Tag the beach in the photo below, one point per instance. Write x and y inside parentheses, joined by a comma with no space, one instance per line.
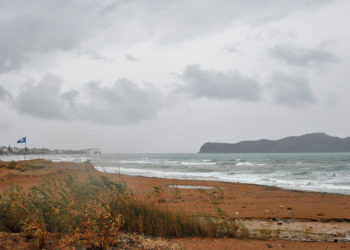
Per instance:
(298,217)
(247,200)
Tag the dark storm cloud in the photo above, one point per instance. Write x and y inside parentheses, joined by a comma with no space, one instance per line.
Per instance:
(30,27)
(124,102)
(219,85)
(303,56)
(290,90)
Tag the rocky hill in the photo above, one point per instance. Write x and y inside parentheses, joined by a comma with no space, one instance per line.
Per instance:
(316,142)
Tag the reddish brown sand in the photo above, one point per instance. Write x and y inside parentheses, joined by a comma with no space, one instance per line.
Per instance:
(249,201)
(239,200)
(209,244)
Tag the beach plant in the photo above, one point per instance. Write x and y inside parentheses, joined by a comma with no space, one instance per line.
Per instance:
(21,166)
(92,214)
(151,219)
(215,197)
(158,192)
(177,194)
(227,225)
(78,211)
(265,234)
(230,226)
(12,165)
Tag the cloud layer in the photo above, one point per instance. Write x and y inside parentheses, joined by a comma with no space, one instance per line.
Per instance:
(301,57)
(124,102)
(290,90)
(219,85)
(42,99)
(31,27)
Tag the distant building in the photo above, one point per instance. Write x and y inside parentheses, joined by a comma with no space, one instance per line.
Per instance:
(4,150)
(93,151)
(17,150)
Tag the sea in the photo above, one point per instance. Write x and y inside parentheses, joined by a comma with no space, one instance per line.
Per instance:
(318,172)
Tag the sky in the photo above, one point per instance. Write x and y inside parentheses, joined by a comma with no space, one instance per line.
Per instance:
(135,76)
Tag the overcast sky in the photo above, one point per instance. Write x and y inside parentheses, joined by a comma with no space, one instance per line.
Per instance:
(167,76)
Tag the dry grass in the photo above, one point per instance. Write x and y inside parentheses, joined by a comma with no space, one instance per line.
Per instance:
(214,197)
(93,214)
(229,226)
(14,241)
(24,166)
(150,219)
(79,212)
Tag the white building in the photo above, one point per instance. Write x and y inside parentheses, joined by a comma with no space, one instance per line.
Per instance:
(93,151)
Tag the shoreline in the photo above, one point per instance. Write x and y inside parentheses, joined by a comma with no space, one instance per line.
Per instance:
(237,199)
(222,181)
(299,216)
(245,183)
(288,182)
(250,200)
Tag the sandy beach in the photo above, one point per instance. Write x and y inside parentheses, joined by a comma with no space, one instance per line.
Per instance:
(246,200)
(275,218)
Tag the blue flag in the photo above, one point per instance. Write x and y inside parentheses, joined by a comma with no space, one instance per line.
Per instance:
(23,140)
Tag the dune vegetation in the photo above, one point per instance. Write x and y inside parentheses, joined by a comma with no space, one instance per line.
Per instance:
(93,214)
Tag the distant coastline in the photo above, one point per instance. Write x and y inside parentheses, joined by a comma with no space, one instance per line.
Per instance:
(45,151)
(308,143)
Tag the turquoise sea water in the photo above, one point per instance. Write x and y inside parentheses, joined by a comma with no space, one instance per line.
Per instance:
(325,172)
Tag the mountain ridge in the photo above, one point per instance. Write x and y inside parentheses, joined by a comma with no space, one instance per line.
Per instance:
(307,143)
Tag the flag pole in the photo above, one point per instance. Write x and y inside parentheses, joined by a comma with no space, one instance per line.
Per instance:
(25,147)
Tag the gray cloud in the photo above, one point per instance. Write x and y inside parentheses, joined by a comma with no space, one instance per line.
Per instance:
(303,56)
(131,58)
(41,100)
(183,20)
(124,102)
(4,94)
(290,90)
(30,27)
(219,85)
(232,49)
(94,55)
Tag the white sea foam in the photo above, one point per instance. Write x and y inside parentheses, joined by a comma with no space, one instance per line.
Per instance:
(198,163)
(190,187)
(249,164)
(244,164)
(135,162)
